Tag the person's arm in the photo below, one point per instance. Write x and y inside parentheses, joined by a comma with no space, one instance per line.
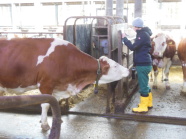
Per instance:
(138,42)
(128,43)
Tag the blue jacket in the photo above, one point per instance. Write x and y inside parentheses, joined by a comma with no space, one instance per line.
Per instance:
(141,47)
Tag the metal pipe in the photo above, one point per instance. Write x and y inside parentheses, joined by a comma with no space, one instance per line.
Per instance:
(138,8)
(119,8)
(20,101)
(30,32)
(109,7)
(137,117)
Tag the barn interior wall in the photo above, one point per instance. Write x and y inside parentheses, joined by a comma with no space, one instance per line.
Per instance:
(52,15)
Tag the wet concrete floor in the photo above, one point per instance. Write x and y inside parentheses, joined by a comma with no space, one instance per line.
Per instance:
(18,126)
(166,103)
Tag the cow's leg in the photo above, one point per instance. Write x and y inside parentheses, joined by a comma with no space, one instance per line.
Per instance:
(44,123)
(162,77)
(184,88)
(155,86)
(184,79)
(45,88)
(168,64)
(151,77)
(155,69)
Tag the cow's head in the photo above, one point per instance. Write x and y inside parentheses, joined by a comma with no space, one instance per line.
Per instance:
(159,45)
(111,71)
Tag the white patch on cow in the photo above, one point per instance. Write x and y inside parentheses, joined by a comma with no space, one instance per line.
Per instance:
(56,42)
(18,90)
(183,63)
(165,75)
(38,85)
(160,45)
(71,91)
(158,63)
(9,39)
(116,71)
(155,78)
(44,122)
(167,62)
(60,94)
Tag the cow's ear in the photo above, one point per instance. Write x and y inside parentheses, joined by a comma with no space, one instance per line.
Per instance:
(105,69)
(170,42)
(104,66)
(152,43)
(103,58)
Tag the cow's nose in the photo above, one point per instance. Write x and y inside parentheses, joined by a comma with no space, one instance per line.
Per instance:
(156,53)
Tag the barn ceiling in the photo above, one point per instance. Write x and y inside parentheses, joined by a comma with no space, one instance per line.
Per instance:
(70,2)
(132,1)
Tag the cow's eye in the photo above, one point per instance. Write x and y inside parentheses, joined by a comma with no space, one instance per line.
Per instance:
(115,66)
(163,43)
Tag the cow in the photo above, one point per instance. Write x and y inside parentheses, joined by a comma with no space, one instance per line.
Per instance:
(182,57)
(162,53)
(54,66)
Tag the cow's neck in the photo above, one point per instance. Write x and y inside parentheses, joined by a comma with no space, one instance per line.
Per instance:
(84,74)
(97,77)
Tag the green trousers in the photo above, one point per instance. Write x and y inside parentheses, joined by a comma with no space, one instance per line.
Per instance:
(143,79)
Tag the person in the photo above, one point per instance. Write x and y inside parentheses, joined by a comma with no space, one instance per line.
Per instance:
(142,62)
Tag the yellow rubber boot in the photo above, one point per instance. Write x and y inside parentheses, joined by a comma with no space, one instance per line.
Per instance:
(150,104)
(143,106)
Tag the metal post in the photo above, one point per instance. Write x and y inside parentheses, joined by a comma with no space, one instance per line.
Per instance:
(12,15)
(56,15)
(138,8)
(20,101)
(119,8)
(109,7)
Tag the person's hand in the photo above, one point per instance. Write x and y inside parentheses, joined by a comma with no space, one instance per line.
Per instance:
(123,35)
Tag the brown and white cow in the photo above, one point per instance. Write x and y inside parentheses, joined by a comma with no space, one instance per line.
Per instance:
(182,57)
(163,51)
(55,66)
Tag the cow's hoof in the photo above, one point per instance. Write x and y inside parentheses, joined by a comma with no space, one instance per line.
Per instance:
(45,127)
(154,87)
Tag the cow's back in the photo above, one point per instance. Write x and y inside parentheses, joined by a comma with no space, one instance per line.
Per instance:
(28,61)
(22,51)
(18,58)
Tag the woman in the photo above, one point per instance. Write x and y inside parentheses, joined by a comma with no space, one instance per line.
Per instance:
(142,62)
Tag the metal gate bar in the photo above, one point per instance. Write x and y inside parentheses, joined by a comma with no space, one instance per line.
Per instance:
(138,117)
(20,101)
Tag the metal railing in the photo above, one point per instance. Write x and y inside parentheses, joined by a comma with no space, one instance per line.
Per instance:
(30,34)
(20,101)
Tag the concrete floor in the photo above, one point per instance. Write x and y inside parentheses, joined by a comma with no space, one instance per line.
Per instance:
(19,126)
(166,103)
